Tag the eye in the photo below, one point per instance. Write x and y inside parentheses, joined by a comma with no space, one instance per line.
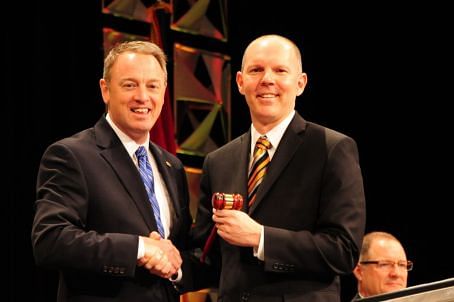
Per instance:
(385,264)
(128,85)
(281,70)
(255,69)
(153,86)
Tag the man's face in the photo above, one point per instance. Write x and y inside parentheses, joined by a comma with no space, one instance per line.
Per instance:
(270,80)
(377,279)
(135,93)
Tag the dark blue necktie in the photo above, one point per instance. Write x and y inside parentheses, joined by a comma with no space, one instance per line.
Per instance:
(148,180)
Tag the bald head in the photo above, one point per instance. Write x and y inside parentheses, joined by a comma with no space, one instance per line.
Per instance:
(276,40)
(376,238)
(375,278)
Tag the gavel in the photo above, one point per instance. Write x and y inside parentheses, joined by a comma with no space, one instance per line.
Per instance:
(221,201)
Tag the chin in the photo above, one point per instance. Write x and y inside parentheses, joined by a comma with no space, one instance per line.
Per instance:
(392,288)
(147,124)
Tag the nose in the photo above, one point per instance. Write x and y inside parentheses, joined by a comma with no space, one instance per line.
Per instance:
(268,77)
(397,270)
(141,93)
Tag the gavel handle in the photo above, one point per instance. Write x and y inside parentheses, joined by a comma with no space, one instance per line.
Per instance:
(208,244)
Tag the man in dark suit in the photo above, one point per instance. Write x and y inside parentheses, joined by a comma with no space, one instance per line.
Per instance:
(302,226)
(94,219)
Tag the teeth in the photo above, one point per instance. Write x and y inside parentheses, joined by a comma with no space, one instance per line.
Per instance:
(267,95)
(141,110)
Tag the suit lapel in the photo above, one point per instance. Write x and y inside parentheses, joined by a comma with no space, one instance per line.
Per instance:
(165,167)
(122,165)
(285,152)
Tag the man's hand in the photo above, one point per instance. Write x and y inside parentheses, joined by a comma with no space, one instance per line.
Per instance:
(237,228)
(161,257)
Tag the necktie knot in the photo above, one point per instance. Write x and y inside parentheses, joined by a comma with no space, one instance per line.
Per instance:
(141,152)
(263,143)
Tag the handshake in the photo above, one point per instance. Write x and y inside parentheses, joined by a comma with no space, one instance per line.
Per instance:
(160,257)
(163,259)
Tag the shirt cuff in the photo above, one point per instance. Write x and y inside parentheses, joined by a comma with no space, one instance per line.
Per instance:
(177,277)
(260,251)
(140,249)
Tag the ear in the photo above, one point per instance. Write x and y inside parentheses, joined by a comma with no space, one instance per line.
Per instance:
(104,91)
(358,272)
(239,82)
(302,81)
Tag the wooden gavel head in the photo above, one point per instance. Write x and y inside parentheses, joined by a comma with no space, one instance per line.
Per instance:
(222,201)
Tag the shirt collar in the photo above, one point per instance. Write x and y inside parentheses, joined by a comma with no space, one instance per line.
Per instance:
(130,145)
(274,135)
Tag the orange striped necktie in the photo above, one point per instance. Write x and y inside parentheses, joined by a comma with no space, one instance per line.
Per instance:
(257,171)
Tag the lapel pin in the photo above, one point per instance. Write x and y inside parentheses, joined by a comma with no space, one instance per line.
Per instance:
(168,164)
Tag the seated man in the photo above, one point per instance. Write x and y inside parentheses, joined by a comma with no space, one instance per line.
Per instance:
(383,266)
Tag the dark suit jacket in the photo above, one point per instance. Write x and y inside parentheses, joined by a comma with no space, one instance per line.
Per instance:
(311,204)
(92,206)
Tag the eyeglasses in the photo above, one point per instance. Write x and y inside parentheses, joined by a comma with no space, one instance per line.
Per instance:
(389,264)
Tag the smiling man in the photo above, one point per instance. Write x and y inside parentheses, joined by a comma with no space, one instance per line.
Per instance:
(303,222)
(113,207)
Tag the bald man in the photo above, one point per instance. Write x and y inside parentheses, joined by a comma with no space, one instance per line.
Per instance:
(383,266)
(303,218)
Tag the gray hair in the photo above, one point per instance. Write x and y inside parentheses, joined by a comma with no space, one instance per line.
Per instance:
(372,236)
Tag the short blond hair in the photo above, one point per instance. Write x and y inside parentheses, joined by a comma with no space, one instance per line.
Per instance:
(142,47)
